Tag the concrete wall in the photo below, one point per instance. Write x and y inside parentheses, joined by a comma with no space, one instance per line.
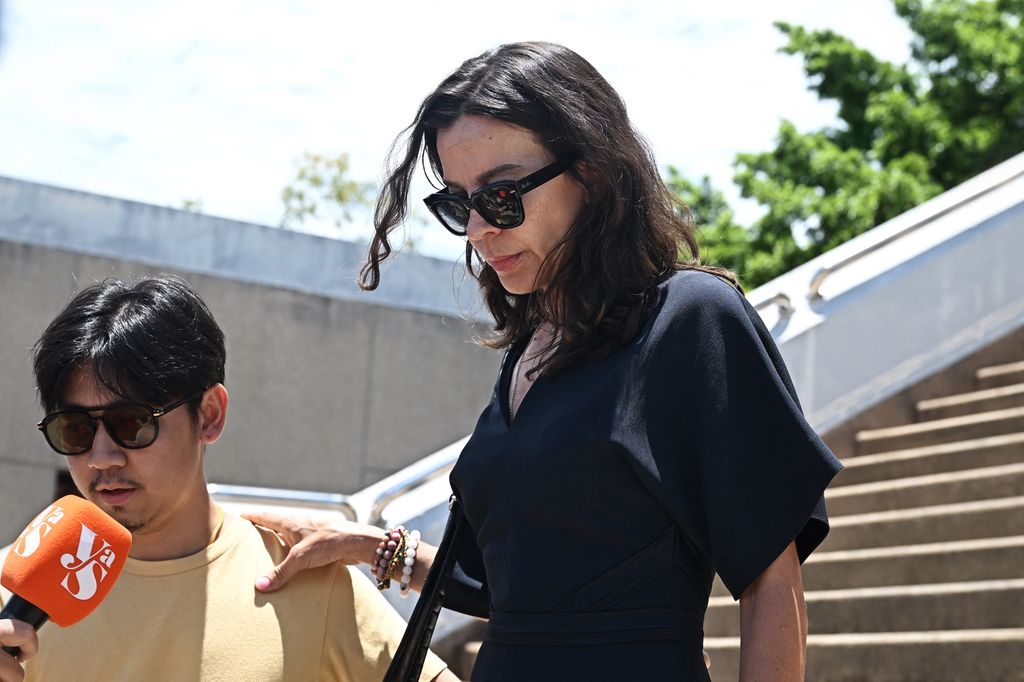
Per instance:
(331,389)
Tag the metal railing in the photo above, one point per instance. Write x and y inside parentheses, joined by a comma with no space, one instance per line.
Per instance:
(243,494)
(1004,174)
(371,502)
(365,506)
(823,273)
(781,300)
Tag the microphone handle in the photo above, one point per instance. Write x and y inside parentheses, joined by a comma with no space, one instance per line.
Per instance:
(19,609)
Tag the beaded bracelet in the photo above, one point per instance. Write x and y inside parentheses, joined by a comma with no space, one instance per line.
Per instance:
(404,584)
(396,550)
(390,552)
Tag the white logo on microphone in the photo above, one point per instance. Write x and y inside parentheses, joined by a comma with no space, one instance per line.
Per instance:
(40,527)
(88,566)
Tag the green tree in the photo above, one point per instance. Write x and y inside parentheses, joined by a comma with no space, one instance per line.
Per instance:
(906,132)
(722,240)
(323,190)
(192,205)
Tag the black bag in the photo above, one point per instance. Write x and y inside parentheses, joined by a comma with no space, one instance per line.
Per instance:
(408,660)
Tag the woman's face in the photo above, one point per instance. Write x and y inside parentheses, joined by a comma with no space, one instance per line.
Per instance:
(477,150)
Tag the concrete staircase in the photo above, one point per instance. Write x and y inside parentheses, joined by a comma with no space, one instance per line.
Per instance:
(922,576)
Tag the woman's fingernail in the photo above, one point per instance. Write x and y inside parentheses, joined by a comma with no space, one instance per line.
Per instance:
(262,583)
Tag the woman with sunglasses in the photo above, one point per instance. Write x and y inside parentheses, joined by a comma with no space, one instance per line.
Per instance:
(643,433)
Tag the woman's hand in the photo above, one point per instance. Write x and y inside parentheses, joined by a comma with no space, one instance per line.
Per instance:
(19,634)
(314,543)
(773,623)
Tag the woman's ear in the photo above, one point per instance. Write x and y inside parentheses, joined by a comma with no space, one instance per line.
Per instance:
(584,174)
(213,414)
(584,170)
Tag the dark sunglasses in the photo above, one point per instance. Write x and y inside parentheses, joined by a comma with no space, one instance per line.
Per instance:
(499,203)
(130,425)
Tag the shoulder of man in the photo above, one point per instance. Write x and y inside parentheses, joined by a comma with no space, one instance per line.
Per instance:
(276,549)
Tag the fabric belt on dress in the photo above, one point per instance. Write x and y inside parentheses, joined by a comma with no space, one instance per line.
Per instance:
(599,627)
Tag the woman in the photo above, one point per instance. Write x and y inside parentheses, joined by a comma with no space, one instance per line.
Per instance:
(643,433)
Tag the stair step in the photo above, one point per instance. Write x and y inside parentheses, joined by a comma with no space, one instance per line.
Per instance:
(1000,375)
(941,562)
(937,562)
(922,491)
(920,525)
(895,608)
(967,454)
(941,431)
(994,655)
(987,400)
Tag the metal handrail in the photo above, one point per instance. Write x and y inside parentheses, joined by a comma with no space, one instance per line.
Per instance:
(377,509)
(292,498)
(823,273)
(781,300)
(379,495)
(366,506)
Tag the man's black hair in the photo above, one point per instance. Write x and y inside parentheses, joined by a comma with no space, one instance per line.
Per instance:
(153,341)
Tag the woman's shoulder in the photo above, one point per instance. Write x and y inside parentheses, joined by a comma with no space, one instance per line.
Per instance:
(698,295)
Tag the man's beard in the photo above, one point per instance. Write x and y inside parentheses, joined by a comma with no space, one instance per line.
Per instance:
(132,527)
(122,517)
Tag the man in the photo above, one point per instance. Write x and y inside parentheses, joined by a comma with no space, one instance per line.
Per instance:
(132,380)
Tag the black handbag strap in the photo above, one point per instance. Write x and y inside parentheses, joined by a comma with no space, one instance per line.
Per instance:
(412,651)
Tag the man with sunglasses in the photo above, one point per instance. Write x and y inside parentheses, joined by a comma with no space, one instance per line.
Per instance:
(131,377)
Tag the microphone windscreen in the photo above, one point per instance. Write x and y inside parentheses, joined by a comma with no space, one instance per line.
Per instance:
(67,559)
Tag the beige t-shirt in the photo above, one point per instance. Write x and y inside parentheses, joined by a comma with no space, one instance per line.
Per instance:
(200,618)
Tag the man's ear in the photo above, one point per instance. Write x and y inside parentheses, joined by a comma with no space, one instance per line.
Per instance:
(213,414)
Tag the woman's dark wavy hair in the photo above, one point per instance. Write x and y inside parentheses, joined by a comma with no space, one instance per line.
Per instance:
(152,342)
(630,235)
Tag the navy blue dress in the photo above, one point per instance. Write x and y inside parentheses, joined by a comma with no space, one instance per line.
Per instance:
(600,515)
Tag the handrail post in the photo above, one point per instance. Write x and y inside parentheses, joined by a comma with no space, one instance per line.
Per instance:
(781,301)
(814,290)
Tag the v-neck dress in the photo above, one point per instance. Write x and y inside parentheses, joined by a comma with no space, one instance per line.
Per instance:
(599,516)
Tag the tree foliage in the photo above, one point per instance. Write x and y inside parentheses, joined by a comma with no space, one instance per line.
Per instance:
(905,133)
(322,190)
(721,239)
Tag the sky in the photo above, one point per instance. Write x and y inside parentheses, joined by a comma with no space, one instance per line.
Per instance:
(216,101)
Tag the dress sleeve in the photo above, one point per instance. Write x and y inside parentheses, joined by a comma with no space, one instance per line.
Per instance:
(751,469)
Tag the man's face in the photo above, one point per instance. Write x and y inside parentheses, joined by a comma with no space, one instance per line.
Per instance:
(150,490)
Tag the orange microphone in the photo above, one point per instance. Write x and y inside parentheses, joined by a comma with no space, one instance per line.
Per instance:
(64,564)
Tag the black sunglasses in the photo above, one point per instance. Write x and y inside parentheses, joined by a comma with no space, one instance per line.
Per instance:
(130,425)
(499,203)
